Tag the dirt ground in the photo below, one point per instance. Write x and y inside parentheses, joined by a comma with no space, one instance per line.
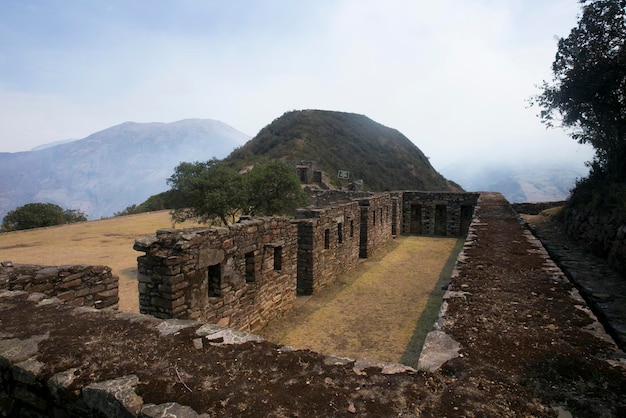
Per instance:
(528,349)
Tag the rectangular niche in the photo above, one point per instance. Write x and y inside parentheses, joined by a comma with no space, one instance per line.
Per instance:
(278,258)
(214,276)
(250,267)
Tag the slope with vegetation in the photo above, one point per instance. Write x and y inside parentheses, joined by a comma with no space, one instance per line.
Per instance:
(588,97)
(382,157)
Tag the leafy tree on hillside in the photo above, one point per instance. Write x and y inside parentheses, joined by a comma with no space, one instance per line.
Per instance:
(207,190)
(37,215)
(274,189)
(588,91)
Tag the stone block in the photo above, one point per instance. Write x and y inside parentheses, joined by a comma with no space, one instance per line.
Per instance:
(66,296)
(23,394)
(210,257)
(43,288)
(107,293)
(114,398)
(68,284)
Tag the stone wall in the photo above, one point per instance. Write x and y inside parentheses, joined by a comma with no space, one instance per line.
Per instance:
(376,223)
(328,244)
(603,234)
(78,285)
(437,213)
(322,198)
(228,275)
(241,276)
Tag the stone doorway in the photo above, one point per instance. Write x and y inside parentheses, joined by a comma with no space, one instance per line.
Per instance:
(416,219)
(440,220)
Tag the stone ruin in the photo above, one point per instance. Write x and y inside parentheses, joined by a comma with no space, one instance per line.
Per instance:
(78,285)
(249,273)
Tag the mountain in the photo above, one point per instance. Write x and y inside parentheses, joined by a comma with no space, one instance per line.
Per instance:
(52,144)
(380,156)
(111,169)
(532,181)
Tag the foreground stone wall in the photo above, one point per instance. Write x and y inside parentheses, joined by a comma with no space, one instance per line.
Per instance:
(78,285)
(113,364)
(437,213)
(241,276)
(328,244)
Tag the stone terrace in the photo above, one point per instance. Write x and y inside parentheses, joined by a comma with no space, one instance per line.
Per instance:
(516,337)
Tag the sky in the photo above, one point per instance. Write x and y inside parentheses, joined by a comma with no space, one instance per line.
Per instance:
(454,76)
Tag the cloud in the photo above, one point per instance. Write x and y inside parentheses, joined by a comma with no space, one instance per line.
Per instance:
(452,75)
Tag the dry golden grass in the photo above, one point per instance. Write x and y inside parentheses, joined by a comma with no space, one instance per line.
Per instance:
(104,242)
(375,310)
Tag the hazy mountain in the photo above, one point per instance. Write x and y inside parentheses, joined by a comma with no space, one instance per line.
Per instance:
(52,144)
(111,169)
(531,181)
(380,156)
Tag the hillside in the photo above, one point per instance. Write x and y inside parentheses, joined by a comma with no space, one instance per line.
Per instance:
(111,169)
(382,157)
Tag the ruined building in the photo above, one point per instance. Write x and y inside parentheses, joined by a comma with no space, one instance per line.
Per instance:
(244,275)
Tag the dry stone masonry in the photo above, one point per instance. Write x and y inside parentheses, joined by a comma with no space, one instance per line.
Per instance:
(246,274)
(437,213)
(79,285)
(63,361)
(241,276)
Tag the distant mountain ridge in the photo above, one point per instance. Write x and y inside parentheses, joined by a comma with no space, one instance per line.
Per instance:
(380,156)
(111,169)
(530,181)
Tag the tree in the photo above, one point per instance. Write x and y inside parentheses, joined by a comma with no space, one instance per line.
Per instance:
(274,189)
(37,215)
(207,190)
(588,90)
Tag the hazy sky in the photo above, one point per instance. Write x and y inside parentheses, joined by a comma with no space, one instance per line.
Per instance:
(454,76)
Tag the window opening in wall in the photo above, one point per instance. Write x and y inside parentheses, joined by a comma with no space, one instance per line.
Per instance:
(250,267)
(214,275)
(278,258)
(351,229)
(327,238)
(374,217)
(387,211)
(381,214)
(339,233)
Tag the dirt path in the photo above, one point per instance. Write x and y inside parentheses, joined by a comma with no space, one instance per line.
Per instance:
(382,310)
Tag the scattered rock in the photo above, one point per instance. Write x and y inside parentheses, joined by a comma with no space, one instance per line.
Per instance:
(114,398)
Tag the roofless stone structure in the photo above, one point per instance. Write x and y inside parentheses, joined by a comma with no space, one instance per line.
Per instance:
(244,275)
